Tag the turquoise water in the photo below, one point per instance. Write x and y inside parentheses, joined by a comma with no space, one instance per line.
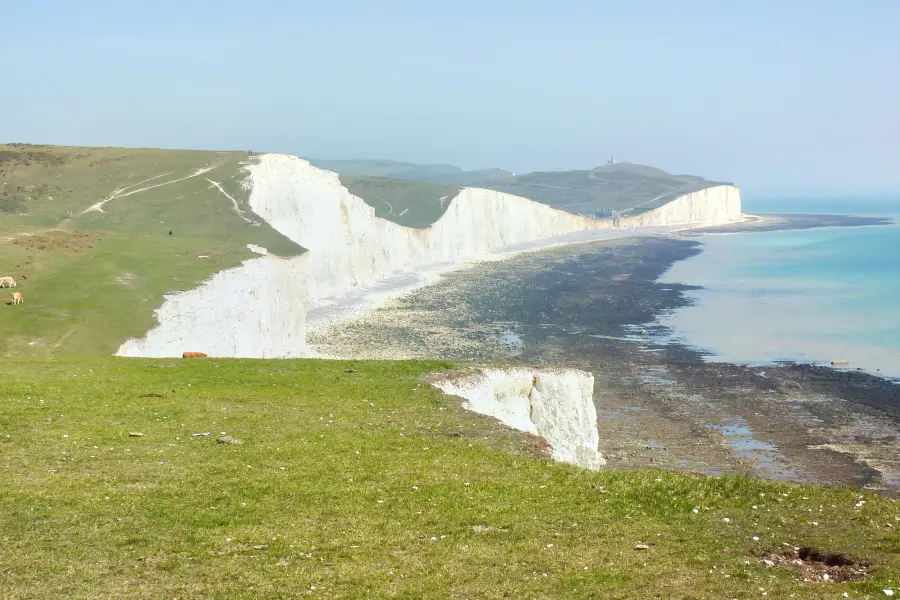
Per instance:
(813,295)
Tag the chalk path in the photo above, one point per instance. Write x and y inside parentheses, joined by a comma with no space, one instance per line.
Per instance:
(234,202)
(121,193)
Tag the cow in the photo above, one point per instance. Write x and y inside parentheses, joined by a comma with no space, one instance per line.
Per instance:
(17,298)
(7,282)
(193,355)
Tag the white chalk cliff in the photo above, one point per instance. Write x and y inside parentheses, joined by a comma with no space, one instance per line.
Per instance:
(350,246)
(556,404)
(259,309)
(719,204)
(252,311)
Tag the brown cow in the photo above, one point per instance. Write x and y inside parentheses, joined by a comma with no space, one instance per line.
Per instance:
(17,298)
(193,355)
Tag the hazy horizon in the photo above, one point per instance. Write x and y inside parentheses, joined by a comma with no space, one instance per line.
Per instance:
(778,99)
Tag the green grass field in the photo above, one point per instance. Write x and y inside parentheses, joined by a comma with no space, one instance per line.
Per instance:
(367,484)
(92,281)
(392,169)
(409,203)
(630,189)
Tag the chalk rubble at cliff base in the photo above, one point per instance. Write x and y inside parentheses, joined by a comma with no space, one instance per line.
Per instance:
(555,404)
(262,308)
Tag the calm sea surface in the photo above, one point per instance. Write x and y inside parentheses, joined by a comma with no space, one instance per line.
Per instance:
(814,295)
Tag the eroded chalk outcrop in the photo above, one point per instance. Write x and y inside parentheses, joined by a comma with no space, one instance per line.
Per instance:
(556,404)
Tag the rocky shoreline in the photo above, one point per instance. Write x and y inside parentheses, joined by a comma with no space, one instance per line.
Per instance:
(781,222)
(593,307)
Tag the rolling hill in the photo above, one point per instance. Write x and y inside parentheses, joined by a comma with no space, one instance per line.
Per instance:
(630,189)
(409,203)
(390,169)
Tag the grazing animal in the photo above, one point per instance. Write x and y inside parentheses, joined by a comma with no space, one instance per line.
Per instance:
(193,355)
(7,282)
(17,298)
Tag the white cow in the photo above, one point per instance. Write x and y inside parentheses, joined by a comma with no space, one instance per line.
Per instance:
(7,282)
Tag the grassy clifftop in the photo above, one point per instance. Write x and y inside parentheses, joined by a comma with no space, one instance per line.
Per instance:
(409,203)
(627,188)
(91,281)
(356,480)
(391,169)
(85,230)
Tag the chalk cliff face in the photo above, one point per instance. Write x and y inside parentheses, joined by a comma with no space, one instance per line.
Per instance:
(256,310)
(260,308)
(349,246)
(556,404)
(720,204)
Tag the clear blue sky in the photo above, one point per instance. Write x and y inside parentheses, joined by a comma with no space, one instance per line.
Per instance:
(775,95)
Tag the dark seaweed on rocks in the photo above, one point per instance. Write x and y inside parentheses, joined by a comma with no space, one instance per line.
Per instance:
(660,403)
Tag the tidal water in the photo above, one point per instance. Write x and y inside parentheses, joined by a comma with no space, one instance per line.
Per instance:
(814,295)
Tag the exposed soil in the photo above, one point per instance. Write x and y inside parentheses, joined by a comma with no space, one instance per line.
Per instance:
(55,240)
(15,155)
(812,565)
(593,306)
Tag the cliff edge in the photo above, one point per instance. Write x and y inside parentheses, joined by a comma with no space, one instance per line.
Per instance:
(260,309)
(555,404)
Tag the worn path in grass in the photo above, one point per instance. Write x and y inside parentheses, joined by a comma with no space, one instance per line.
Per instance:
(93,281)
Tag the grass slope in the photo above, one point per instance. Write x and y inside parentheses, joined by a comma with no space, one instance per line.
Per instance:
(366,484)
(628,188)
(409,203)
(92,281)
(391,169)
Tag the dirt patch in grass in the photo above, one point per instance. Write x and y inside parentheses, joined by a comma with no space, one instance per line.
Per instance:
(816,565)
(14,199)
(11,158)
(112,160)
(58,240)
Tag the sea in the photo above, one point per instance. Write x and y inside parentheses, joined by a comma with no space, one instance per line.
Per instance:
(813,296)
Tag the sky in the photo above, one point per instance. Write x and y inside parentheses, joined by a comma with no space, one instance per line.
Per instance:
(789,96)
